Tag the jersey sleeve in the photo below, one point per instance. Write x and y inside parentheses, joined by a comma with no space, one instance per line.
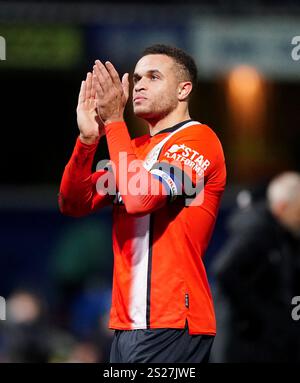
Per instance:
(81,190)
(141,193)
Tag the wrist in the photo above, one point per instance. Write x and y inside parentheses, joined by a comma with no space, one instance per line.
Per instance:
(89,140)
(113,120)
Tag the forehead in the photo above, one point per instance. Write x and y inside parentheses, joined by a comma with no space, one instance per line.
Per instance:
(160,62)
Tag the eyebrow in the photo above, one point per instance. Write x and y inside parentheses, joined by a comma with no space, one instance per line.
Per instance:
(137,76)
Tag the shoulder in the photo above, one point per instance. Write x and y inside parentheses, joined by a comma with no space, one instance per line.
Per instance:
(196,138)
(197,132)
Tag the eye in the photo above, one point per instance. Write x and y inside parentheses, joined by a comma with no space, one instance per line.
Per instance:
(154,77)
(136,79)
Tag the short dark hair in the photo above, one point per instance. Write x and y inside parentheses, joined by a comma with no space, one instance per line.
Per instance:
(184,60)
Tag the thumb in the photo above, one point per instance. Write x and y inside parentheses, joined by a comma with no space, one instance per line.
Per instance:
(125,85)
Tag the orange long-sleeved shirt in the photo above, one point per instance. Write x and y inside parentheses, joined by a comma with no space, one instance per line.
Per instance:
(159,242)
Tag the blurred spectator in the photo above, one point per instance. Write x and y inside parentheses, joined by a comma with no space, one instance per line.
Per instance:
(27,336)
(24,336)
(30,336)
(257,275)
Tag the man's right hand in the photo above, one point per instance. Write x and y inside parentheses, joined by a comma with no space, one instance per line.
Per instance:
(89,123)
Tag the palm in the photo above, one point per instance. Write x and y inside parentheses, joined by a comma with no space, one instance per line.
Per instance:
(87,118)
(89,123)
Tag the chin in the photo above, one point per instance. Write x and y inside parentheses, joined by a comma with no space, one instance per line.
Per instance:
(142,113)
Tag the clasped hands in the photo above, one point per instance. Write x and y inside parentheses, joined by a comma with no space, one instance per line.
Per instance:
(111,93)
(102,100)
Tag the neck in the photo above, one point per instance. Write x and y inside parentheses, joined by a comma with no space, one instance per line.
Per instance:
(161,123)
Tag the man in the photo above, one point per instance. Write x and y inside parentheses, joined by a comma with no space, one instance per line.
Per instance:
(162,308)
(258,274)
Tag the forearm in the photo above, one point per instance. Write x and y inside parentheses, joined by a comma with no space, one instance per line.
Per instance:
(151,194)
(78,195)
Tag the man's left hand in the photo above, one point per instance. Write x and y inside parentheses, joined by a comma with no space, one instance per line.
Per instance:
(111,93)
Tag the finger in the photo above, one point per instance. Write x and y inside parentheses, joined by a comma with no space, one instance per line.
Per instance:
(85,86)
(97,78)
(113,74)
(97,85)
(81,96)
(125,85)
(93,87)
(100,80)
(102,69)
(105,78)
(88,86)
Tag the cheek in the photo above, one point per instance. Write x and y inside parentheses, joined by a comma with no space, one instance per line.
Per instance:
(295,216)
(167,95)
(298,217)
(164,88)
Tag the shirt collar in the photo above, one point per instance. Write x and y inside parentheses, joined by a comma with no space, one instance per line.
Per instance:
(172,128)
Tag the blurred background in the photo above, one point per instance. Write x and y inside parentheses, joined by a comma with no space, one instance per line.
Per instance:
(55,271)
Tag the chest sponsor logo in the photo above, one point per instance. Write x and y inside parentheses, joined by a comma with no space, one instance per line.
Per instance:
(188,156)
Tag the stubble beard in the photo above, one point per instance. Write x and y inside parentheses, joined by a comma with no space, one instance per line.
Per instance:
(156,110)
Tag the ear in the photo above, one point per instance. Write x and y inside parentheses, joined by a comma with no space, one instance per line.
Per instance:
(184,89)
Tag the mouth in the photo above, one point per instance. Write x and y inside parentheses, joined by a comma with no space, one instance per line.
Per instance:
(139,98)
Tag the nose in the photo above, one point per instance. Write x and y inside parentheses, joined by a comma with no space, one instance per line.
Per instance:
(140,85)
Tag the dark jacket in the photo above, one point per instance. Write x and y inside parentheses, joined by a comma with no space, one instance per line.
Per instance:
(257,275)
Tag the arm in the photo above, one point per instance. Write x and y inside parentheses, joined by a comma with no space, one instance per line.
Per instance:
(112,96)
(80,190)
(79,194)
(141,191)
